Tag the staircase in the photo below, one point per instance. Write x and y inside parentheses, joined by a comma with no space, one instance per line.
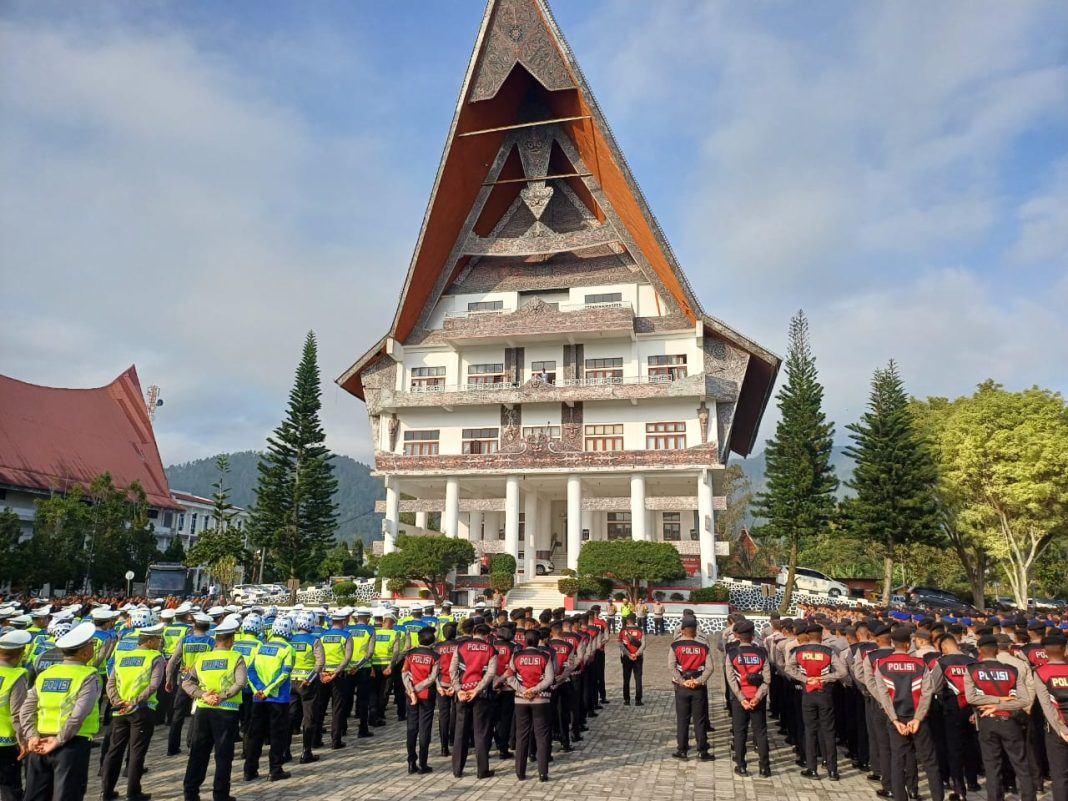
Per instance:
(539,592)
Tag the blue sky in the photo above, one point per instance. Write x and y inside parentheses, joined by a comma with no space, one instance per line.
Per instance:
(191,186)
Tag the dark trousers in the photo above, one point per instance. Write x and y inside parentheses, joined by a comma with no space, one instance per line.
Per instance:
(10,774)
(164,703)
(505,709)
(691,705)
(906,751)
(420,725)
(962,748)
(183,709)
(302,714)
(880,755)
(532,723)
(817,713)
(473,721)
(399,696)
(270,721)
(563,701)
(62,775)
(598,661)
(215,730)
(740,720)
(1057,754)
(378,698)
(446,719)
(362,688)
(658,624)
(1036,745)
(1003,739)
(632,668)
(333,694)
(133,730)
(858,714)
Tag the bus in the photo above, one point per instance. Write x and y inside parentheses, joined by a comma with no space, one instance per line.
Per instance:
(169,578)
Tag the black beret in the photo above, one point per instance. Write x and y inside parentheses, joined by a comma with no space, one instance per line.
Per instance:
(1038,625)
(880,629)
(987,641)
(744,627)
(1054,640)
(815,628)
(901,634)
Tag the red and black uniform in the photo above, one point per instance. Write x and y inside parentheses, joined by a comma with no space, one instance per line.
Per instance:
(1035,656)
(691,660)
(532,669)
(1001,734)
(748,676)
(520,638)
(879,738)
(473,667)
(858,733)
(504,698)
(601,627)
(446,651)
(814,660)
(632,657)
(961,744)
(419,673)
(1054,677)
(905,684)
(563,698)
(578,685)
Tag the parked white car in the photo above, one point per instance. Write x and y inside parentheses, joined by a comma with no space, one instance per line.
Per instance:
(808,580)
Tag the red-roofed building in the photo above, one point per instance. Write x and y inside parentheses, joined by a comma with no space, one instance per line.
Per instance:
(53,439)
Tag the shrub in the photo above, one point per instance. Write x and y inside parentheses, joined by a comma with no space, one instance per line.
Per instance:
(677,596)
(705,595)
(619,596)
(487,593)
(567,571)
(658,595)
(396,585)
(569,586)
(424,593)
(503,563)
(344,591)
(501,582)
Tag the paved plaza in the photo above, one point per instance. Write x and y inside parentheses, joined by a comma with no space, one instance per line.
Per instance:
(625,754)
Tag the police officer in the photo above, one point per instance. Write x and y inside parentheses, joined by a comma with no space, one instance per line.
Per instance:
(215,682)
(132,692)
(999,695)
(563,699)
(748,674)
(531,676)
(178,668)
(905,687)
(385,654)
(360,669)
(419,673)
(308,662)
(174,628)
(816,667)
(337,653)
(632,656)
(14,683)
(690,666)
(247,642)
(503,699)
(472,672)
(1051,690)
(446,696)
(59,718)
(270,680)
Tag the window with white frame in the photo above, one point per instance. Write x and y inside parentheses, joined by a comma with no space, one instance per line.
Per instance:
(181,521)
(604,297)
(665,436)
(667,368)
(552,432)
(425,379)
(421,443)
(485,306)
(619,525)
(485,373)
(546,370)
(672,526)
(605,371)
(193,524)
(480,440)
(604,437)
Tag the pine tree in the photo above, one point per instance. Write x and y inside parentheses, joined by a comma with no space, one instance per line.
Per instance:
(799,501)
(895,477)
(295,516)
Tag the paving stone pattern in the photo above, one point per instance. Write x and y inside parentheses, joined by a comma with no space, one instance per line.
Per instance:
(626,754)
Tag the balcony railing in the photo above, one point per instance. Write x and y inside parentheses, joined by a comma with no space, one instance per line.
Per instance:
(503,386)
(563,307)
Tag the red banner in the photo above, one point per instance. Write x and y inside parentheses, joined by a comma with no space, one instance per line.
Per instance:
(692,563)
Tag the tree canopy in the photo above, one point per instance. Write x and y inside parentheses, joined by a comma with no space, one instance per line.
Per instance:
(631,562)
(426,559)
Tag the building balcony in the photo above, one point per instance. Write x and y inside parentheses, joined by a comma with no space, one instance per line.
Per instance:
(534,390)
(537,321)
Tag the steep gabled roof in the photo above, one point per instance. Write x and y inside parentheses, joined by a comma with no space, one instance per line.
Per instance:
(53,439)
(523,77)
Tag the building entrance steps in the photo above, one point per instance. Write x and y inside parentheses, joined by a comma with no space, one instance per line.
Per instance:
(539,592)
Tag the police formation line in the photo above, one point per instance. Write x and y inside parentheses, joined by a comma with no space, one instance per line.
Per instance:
(266,678)
(961,697)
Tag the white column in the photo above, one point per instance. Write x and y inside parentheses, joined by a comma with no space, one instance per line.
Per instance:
(706,532)
(450,518)
(587,522)
(491,526)
(392,521)
(474,533)
(545,524)
(420,519)
(574,520)
(637,507)
(530,534)
(511,516)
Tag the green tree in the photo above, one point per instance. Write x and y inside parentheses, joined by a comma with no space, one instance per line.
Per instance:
(1004,457)
(175,551)
(426,559)
(799,501)
(295,515)
(11,566)
(223,511)
(220,550)
(340,561)
(631,562)
(895,475)
(738,491)
(931,417)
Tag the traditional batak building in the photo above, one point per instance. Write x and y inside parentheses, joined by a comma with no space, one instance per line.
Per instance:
(549,376)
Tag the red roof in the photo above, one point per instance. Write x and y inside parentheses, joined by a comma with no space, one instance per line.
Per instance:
(54,439)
